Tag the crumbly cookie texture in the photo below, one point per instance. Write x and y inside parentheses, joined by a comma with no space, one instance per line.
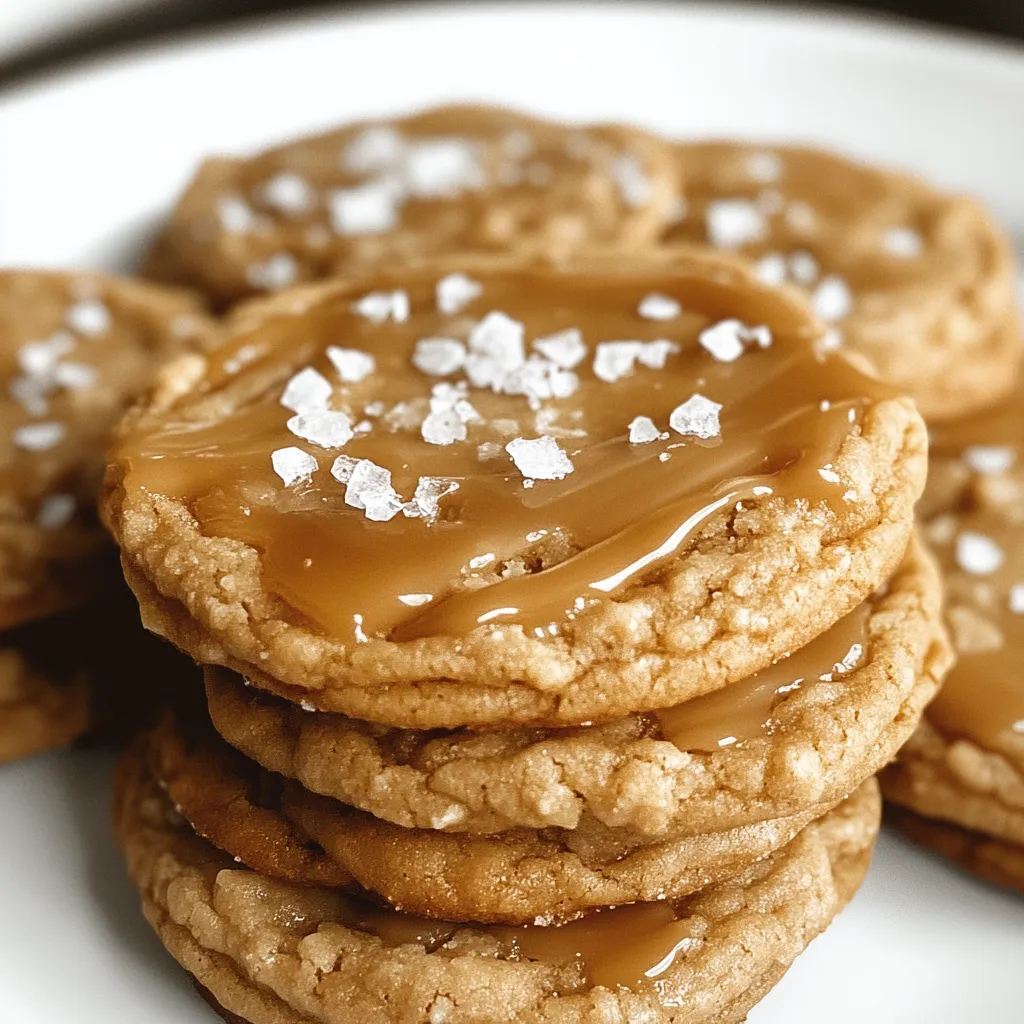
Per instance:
(921,283)
(519,877)
(273,952)
(77,350)
(822,742)
(957,781)
(61,678)
(382,193)
(752,583)
(991,860)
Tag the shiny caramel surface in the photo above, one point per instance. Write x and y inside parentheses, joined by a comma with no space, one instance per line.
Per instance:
(502,547)
(743,711)
(981,547)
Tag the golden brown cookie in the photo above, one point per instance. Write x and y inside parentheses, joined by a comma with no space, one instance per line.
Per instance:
(516,877)
(76,350)
(496,554)
(965,764)
(992,860)
(273,952)
(803,732)
(93,670)
(921,283)
(383,193)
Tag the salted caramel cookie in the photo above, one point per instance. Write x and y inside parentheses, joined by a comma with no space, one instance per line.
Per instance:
(516,877)
(965,765)
(429,527)
(92,670)
(919,282)
(273,952)
(383,193)
(991,860)
(75,351)
(805,731)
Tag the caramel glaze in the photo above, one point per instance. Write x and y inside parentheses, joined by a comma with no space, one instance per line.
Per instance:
(983,696)
(617,518)
(743,710)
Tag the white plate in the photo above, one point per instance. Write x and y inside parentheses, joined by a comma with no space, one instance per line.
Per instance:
(88,159)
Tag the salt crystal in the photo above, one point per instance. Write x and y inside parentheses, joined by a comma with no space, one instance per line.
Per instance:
(443,427)
(377,148)
(89,317)
(903,243)
(832,299)
(351,364)
(322,427)
(75,376)
(496,348)
(427,497)
(539,458)
(377,307)
(342,468)
(634,186)
(538,379)
(989,460)
(39,358)
(439,357)
(369,487)
(829,475)
(1017,599)
(293,465)
(771,269)
(696,417)
(727,340)
(307,391)
(236,216)
(614,360)
(30,393)
(455,292)
(415,600)
(38,437)
(733,223)
(659,307)
(978,554)
(275,273)
(289,193)
(518,144)
(370,209)
(55,511)
(488,450)
(765,167)
(565,349)
(804,268)
(442,168)
(654,354)
(643,431)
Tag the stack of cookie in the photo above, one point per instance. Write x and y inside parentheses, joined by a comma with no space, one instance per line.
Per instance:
(77,350)
(554,577)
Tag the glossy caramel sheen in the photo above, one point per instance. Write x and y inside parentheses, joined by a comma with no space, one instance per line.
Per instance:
(502,552)
(983,696)
(743,711)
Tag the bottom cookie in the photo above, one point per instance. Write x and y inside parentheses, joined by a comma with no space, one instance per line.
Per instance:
(278,953)
(992,860)
(78,673)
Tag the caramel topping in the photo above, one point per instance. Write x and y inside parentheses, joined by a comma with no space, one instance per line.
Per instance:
(743,711)
(545,506)
(981,548)
(626,946)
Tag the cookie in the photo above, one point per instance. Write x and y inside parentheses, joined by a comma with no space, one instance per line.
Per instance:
(704,498)
(77,673)
(517,877)
(991,860)
(77,349)
(269,951)
(965,764)
(919,282)
(382,193)
(800,733)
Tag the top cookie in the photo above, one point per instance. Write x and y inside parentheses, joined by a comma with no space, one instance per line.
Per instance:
(382,193)
(919,282)
(76,350)
(371,498)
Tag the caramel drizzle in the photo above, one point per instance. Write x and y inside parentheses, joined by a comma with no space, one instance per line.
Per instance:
(614,520)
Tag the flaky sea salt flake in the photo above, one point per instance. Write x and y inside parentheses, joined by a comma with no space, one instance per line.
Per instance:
(75,376)
(439,357)
(733,223)
(369,487)
(56,510)
(566,349)
(443,428)
(442,168)
(539,458)
(455,292)
(903,243)
(989,460)
(89,317)
(427,497)
(39,437)
(656,306)
(1017,599)
(307,391)
(370,209)
(378,307)
(288,193)
(322,427)
(496,349)
(654,354)
(276,272)
(727,340)
(832,299)
(352,364)
(614,360)
(293,465)
(696,417)
(377,148)
(977,554)
(643,430)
